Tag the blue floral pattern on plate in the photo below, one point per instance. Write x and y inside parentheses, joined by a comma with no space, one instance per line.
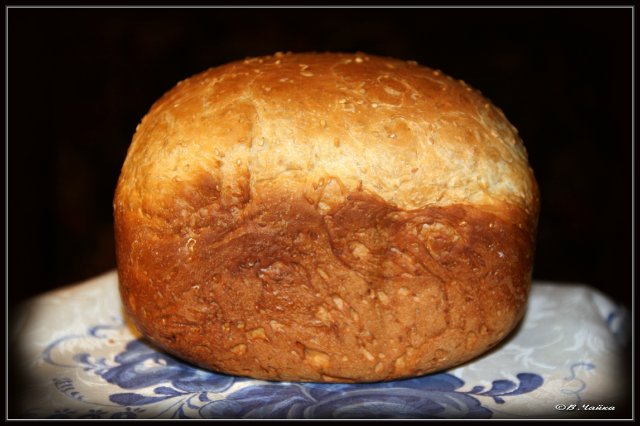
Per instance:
(85,363)
(146,378)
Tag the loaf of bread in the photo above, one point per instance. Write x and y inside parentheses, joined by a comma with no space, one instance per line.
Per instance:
(325,217)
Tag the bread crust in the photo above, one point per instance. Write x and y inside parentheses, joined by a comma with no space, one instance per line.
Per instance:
(325,217)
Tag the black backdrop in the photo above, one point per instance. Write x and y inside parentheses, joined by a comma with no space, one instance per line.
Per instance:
(79,80)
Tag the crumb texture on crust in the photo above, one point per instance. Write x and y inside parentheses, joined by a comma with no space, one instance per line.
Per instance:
(366,292)
(325,217)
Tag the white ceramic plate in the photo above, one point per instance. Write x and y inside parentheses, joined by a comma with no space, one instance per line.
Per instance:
(80,360)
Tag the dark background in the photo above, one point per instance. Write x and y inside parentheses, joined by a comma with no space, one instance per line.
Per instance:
(79,81)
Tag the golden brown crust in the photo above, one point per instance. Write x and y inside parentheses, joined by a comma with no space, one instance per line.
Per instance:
(309,235)
(407,133)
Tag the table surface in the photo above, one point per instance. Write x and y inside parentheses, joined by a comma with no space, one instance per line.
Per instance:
(81,360)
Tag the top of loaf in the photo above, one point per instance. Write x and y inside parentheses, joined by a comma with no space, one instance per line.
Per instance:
(339,122)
